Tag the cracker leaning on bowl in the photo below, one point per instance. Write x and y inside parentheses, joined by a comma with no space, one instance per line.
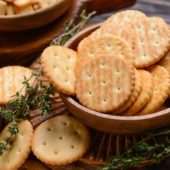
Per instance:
(144,38)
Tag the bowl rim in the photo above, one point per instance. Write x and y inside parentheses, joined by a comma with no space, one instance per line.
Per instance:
(115,117)
(42,10)
(104,115)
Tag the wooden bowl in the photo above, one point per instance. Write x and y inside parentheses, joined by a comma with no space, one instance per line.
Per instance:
(111,123)
(35,19)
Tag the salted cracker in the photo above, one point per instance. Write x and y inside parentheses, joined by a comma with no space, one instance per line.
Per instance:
(63,137)
(59,66)
(11,81)
(144,96)
(20,148)
(135,93)
(105,83)
(89,48)
(161,87)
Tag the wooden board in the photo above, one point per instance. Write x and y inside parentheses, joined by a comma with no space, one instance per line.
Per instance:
(23,47)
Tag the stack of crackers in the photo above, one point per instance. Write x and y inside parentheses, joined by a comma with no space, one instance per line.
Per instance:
(122,68)
(57,141)
(14,7)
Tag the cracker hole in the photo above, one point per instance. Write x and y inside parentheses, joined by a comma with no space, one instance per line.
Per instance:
(44,143)
(66,80)
(65,123)
(68,57)
(153,29)
(54,66)
(90,93)
(55,53)
(118,89)
(118,71)
(76,132)
(49,129)
(104,100)
(19,150)
(22,134)
(103,82)
(55,153)
(156,42)
(72,146)
(60,137)
(91,52)
(142,41)
(67,68)
(144,55)
(103,65)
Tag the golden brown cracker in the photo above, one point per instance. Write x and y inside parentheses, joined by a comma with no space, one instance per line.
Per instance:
(165,62)
(145,94)
(59,65)
(63,137)
(161,86)
(11,81)
(105,83)
(20,148)
(89,48)
(151,41)
(148,37)
(134,95)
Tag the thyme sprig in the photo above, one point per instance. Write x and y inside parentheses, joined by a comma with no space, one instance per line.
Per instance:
(19,107)
(38,96)
(71,28)
(145,149)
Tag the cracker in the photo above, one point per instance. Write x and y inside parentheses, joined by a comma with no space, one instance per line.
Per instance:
(145,94)
(11,81)
(161,87)
(22,3)
(105,44)
(33,165)
(20,149)
(45,3)
(105,83)
(165,62)
(63,137)
(152,41)
(134,95)
(119,24)
(149,37)
(59,65)
(3,7)
(23,10)
(10,10)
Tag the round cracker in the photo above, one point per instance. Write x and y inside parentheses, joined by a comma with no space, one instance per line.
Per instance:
(59,65)
(145,94)
(105,83)
(134,95)
(151,42)
(63,137)
(33,165)
(89,48)
(161,87)
(119,24)
(165,62)
(21,146)
(11,81)
(148,37)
